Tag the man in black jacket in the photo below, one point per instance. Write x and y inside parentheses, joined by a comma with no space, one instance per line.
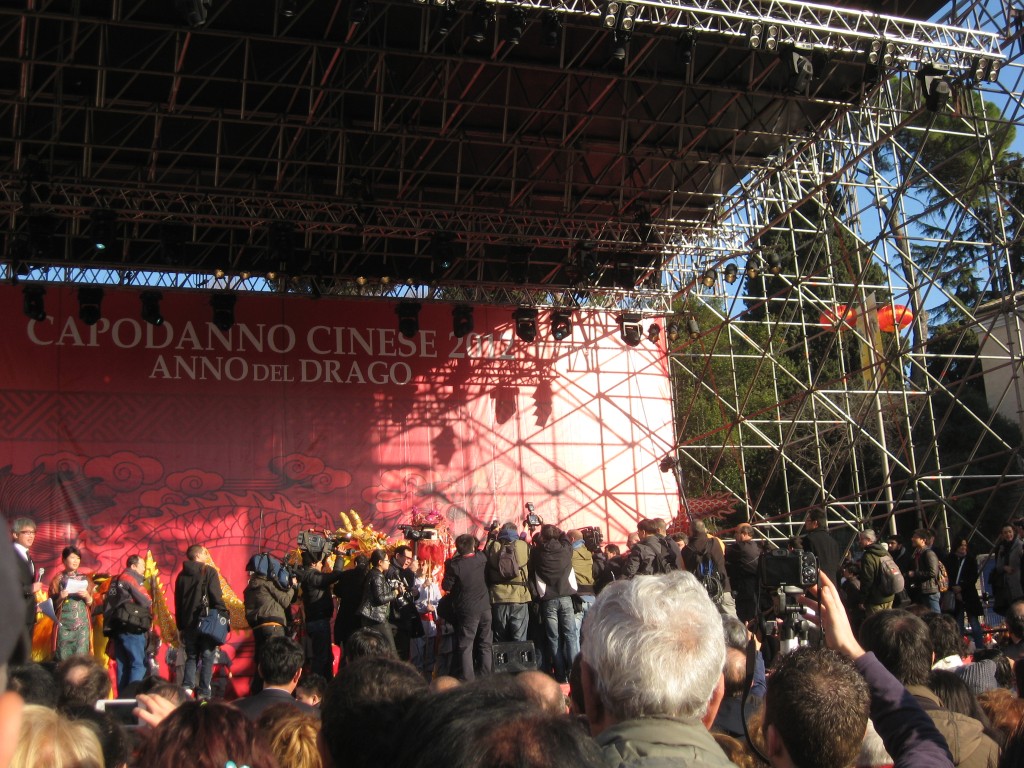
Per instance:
(551,562)
(197,580)
(741,559)
(465,581)
(318,607)
(819,541)
(23,532)
(405,618)
(349,591)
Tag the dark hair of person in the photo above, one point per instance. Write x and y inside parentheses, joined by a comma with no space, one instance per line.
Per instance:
(132,561)
(1013,751)
(34,683)
(193,552)
(206,735)
(377,557)
(900,640)
(818,516)
(93,686)
(70,550)
(361,708)
(735,632)
(313,684)
(612,550)
(576,685)
(1004,669)
(487,724)
(465,543)
(957,697)
(646,526)
(511,527)
(113,737)
(401,549)
(921,533)
(367,642)
(818,702)
(946,637)
(280,660)
(549,532)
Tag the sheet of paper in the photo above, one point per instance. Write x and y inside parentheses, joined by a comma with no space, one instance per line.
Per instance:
(76,585)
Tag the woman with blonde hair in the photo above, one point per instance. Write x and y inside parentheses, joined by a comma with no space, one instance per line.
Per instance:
(292,735)
(48,740)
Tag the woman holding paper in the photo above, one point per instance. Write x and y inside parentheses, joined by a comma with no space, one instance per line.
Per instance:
(72,599)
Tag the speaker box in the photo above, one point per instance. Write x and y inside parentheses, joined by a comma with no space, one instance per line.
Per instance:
(514,657)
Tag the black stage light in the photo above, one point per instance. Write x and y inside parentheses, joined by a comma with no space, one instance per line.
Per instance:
(89,300)
(526,323)
(709,277)
(551,27)
(654,333)
(33,304)
(480,20)
(692,327)
(630,327)
(462,320)
(753,267)
(515,25)
(151,307)
(194,12)
(103,229)
(223,310)
(730,273)
(408,318)
(672,329)
(561,325)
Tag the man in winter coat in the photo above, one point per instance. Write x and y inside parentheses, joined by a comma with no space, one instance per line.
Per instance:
(266,610)
(819,541)
(196,580)
(318,609)
(471,605)
(872,596)
(741,558)
(552,569)
(510,597)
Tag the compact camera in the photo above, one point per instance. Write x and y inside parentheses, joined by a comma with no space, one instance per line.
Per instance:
(784,568)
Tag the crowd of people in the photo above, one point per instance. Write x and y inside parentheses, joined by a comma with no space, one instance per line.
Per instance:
(665,652)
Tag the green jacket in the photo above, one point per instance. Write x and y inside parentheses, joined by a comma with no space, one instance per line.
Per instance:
(661,742)
(516,591)
(583,565)
(869,565)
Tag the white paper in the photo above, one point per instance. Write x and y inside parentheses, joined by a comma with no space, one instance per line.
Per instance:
(76,585)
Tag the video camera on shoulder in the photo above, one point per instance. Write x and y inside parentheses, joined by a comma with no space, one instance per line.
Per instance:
(784,568)
(592,538)
(418,532)
(320,545)
(532,518)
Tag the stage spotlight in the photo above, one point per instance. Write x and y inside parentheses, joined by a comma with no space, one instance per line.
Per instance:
(654,333)
(672,330)
(692,327)
(288,8)
(800,68)
(223,310)
(586,262)
(32,302)
(630,328)
(730,273)
(515,25)
(753,267)
(620,41)
(441,251)
(151,307)
(934,86)
(462,320)
(480,20)
(408,318)
(526,323)
(774,264)
(561,325)
(448,18)
(551,29)
(103,229)
(708,278)
(357,11)
(684,48)
(89,300)
(193,11)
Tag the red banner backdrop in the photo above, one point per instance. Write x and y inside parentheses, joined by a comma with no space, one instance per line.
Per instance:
(124,436)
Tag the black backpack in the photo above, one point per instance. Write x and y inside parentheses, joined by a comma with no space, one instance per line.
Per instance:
(710,577)
(506,563)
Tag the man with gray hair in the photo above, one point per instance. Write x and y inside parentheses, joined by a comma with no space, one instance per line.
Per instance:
(873,595)
(652,659)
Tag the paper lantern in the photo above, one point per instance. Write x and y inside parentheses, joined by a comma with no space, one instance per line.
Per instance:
(891,317)
(841,314)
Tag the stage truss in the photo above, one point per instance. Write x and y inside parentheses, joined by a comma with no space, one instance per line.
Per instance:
(800,405)
(777,408)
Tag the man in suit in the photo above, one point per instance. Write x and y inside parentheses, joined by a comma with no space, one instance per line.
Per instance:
(818,540)
(280,667)
(23,531)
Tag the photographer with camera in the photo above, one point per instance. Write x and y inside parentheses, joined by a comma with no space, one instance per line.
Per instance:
(405,616)
(555,580)
(583,567)
(377,596)
(508,575)
(318,607)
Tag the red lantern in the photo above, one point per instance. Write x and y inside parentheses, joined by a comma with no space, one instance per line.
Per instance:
(841,314)
(891,317)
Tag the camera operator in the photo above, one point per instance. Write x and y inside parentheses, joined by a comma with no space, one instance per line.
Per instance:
(405,617)
(266,609)
(318,607)
(583,567)
(510,594)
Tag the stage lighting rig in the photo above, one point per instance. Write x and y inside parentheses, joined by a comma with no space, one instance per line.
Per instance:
(193,12)
(223,305)
(33,304)
(934,85)
(151,307)
(561,325)
(526,323)
(408,318)
(462,320)
(89,300)
(630,327)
